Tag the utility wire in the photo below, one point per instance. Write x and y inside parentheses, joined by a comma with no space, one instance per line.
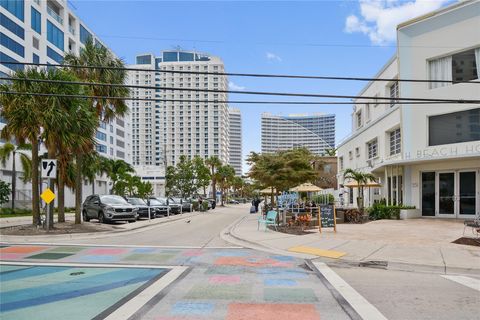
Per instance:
(80,96)
(256,75)
(284,94)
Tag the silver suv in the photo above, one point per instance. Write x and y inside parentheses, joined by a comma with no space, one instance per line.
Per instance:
(108,208)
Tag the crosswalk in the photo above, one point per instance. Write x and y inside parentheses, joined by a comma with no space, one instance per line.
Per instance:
(465,281)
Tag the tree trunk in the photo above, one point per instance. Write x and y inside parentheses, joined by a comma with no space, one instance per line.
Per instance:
(14,181)
(93,186)
(271,198)
(78,189)
(35,182)
(221,195)
(61,196)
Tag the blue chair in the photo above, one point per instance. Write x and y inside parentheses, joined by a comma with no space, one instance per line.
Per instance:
(270,219)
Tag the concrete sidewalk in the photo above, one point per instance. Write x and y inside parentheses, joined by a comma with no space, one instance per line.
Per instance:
(415,245)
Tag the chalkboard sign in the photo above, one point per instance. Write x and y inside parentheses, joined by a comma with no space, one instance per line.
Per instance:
(327,217)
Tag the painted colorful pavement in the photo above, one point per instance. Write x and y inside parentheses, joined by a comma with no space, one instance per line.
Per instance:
(230,284)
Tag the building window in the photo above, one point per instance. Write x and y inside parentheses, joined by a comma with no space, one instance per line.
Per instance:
(462,66)
(11,44)
(55,35)
(15,7)
(54,55)
(372,149)
(35,58)
(36,21)
(393,93)
(12,26)
(350,155)
(367,112)
(350,195)
(101,136)
(359,119)
(357,152)
(84,35)
(6,59)
(101,148)
(395,146)
(456,127)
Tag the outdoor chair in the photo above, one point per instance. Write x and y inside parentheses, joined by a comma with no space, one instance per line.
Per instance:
(474,224)
(270,219)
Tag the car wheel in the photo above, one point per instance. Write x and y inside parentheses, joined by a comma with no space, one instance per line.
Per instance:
(85,217)
(101,218)
(131,221)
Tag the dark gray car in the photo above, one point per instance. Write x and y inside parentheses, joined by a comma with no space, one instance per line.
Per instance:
(108,208)
(158,206)
(142,206)
(185,204)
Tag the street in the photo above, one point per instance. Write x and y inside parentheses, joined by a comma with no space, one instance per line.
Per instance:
(219,280)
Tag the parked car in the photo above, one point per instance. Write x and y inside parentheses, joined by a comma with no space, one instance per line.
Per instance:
(185,204)
(172,204)
(142,206)
(233,201)
(159,206)
(108,208)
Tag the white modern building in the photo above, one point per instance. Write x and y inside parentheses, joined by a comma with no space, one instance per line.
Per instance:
(185,121)
(427,156)
(315,132)
(41,32)
(236,140)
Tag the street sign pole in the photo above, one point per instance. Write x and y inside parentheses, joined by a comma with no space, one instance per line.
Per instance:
(48,209)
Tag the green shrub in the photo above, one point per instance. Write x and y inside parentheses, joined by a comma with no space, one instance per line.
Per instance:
(23,212)
(195,205)
(205,205)
(382,211)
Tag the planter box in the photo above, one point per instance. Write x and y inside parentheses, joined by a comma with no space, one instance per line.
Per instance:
(410,214)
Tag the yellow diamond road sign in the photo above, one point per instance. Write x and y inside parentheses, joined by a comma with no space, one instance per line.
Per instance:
(47,195)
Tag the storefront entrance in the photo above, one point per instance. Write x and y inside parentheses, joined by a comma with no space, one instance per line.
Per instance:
(450,194)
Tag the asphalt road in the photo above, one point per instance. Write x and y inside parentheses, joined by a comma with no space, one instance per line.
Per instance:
(202,231)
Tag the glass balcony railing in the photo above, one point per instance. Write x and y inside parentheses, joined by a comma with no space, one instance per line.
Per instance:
(54,15)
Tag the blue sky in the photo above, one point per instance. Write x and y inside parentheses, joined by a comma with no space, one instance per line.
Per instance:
(331,38)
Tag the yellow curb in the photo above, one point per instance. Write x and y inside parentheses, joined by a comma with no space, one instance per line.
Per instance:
(318,252)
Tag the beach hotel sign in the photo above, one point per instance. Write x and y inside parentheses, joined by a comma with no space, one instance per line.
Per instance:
(441,152)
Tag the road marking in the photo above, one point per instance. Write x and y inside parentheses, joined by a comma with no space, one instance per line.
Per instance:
(129,308)
(318,252)
(117,245)
(364,308)
(466,281)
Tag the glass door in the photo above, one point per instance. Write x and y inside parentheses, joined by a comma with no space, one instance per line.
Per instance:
(428,194)
(446,194)
(467,192)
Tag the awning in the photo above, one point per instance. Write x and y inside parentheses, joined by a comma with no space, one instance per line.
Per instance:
(306,187)
(369,184)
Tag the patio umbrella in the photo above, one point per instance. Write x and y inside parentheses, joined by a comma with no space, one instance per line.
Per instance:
(267,191)
(306,187)
(369,184)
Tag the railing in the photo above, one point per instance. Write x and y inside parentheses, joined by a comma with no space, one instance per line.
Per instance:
(71,29)
(54,15)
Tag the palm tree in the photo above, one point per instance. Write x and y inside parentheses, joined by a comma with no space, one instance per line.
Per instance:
(224,176)
(9,149)
(116,170)
(106,108)
(30,118)
(332,152)
(362,179)
(213,162)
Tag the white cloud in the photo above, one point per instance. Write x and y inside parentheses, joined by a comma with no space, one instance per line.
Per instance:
(273,57)
(379,18)
(233,86)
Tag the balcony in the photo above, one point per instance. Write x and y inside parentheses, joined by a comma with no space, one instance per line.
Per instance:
(71,29)
(54,15)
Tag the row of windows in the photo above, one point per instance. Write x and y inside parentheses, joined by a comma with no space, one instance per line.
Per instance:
(54,55)
(11,44)
(36,21)
(84,35)
(12,26)
(15,7)
(55,35)
(7,58)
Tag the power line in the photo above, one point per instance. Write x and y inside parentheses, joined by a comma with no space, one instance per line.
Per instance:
(284,94)
(255,75)
(80,96)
